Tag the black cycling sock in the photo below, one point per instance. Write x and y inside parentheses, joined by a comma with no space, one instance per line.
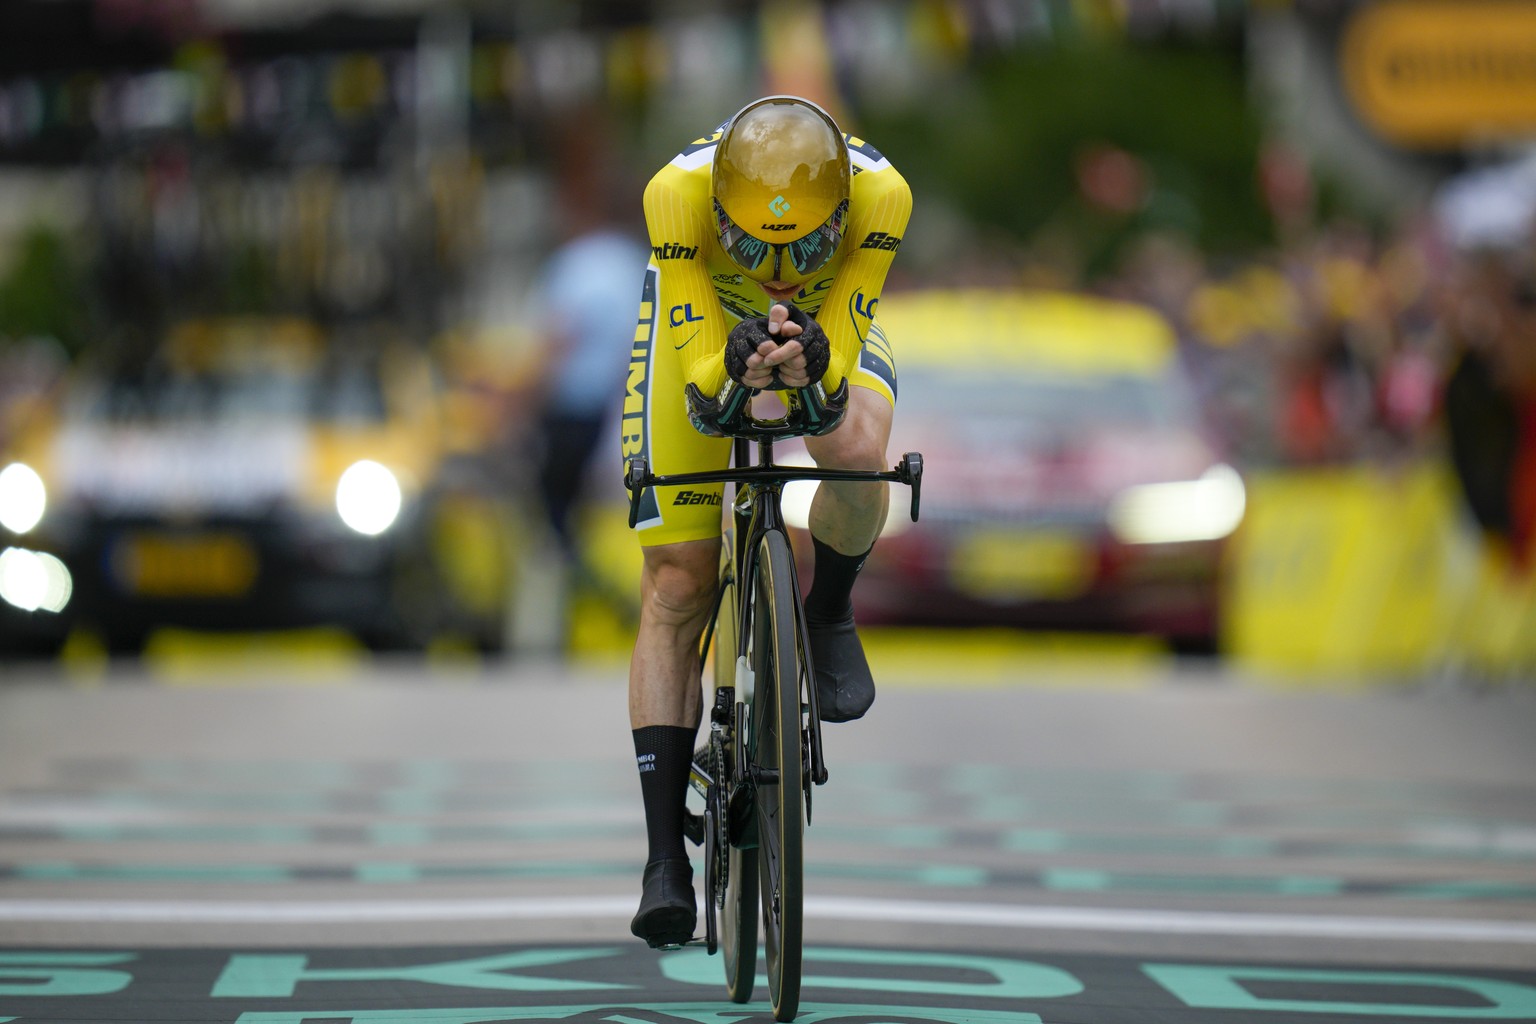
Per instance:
(664,754)
(831,595)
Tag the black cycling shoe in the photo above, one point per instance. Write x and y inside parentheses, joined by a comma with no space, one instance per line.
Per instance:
(667,914)
(844,686)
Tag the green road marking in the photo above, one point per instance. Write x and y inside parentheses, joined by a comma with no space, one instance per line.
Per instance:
(1005,978)
(932,875)
(1221,988)
(391,833)
(906,837)
(62,974)
(697,1013)
(369,872)
(1056,841)
(61,871)
(1466,889)
(420,802)
(391,872)
(528,832)
(1081,880)
(405,872)
(280,802)
(243,835)
(263,975)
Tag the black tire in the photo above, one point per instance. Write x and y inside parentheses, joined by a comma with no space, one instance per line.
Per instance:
(738,917)
(778,747)
(738,926)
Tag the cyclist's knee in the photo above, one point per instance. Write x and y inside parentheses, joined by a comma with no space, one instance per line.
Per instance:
(680,579)
(860,440)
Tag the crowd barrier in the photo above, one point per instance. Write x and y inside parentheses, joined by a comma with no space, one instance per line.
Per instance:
(1370,571)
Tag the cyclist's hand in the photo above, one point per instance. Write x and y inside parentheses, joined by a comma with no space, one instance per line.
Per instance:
(779,322)
(786,349)
(785,355)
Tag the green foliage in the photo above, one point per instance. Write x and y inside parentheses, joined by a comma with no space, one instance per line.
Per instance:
(1003,144)
(44,293)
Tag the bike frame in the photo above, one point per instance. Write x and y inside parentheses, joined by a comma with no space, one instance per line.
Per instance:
(757,508)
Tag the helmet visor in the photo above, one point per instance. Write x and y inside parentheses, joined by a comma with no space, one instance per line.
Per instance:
(806,255)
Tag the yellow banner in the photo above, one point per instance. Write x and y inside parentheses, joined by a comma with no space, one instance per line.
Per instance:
(1369,572)
(1438,73)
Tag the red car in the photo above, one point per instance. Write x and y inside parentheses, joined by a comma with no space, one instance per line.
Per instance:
(1067,482)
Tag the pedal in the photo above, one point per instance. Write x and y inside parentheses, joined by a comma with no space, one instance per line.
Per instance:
(693,827)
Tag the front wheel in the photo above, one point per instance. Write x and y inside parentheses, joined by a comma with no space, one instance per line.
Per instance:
(779,752)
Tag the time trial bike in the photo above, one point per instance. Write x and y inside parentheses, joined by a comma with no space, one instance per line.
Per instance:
(763,751)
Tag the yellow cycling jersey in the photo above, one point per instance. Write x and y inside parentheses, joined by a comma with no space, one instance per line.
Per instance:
(702,293)
(692,294)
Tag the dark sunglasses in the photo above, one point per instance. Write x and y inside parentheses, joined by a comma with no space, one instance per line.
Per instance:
(807,255)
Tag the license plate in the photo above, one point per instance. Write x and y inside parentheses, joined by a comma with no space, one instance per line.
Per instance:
(1012,565)
(192,565)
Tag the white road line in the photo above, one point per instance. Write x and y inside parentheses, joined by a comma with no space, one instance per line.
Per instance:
(1110,919)
(1092,919)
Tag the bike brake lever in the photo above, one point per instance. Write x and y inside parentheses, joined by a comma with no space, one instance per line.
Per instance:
(911,470)
(638,478)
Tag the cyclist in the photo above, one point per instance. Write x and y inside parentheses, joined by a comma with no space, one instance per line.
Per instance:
(770,242)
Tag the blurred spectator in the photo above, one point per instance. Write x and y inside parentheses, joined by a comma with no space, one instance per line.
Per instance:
(1490,399)
(590,293)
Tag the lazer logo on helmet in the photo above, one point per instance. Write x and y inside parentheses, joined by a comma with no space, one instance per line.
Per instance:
(881,240)
(675,251)
(696,498)
(778,227)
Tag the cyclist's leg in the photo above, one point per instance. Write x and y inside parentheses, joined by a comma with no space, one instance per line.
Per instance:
(678,584)
(848,516)
(677,596)
(680,531)
(845,520)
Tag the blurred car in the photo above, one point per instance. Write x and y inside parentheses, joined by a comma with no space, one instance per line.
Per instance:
(1067,482)
(249,476)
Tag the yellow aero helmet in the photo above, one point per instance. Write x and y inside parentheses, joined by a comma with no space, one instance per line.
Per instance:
(780,184)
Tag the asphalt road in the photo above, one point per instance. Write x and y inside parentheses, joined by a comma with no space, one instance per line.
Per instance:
(260,844)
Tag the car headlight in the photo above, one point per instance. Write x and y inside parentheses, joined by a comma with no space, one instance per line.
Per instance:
(34,580)
(23,498)
(1187,510)
(368,497)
